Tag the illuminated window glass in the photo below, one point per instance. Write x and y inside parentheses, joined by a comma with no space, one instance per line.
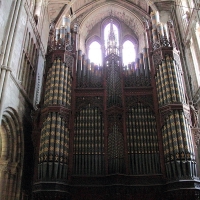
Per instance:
(128,52)
(95,54)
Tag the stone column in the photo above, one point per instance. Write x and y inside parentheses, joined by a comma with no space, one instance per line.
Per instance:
(3,86)
(3,179)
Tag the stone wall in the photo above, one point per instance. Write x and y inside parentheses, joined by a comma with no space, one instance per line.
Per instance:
(17,20)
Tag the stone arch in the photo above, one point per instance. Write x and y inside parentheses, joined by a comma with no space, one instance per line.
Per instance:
(11,155)
(110,9)
(133,39)
(91,39)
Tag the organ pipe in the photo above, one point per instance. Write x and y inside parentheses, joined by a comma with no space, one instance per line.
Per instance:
(130,115)
(53,153)
(142,140)
(89,134)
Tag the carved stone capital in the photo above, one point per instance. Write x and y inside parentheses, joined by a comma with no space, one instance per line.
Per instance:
(4,167)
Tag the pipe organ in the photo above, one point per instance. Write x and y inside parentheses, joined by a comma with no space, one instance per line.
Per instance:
(113,132)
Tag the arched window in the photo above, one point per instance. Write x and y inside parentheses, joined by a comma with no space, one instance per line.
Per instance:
(95,54)
(128,52)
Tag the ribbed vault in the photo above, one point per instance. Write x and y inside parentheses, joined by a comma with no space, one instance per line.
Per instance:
(57,6)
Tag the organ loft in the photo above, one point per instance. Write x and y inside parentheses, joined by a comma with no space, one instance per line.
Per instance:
(100,100)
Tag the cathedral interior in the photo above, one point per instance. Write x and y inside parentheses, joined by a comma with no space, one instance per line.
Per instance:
(99,99)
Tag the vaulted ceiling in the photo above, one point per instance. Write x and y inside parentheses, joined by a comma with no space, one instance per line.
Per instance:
(56,7)
(97,9)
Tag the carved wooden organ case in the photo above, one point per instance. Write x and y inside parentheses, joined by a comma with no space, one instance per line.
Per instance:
(111,132)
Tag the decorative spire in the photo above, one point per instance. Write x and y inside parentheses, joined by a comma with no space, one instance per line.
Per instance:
(111,34)
(112,41)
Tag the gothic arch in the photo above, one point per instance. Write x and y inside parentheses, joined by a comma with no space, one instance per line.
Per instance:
(110,9)
(133,39)
(91,39)
(11,155)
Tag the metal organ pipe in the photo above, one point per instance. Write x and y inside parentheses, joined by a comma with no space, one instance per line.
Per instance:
(171,82)
(83,70)
(163,90)
(146,62)
(66,23)
(61,84)
(160,29)
(87,71)
(69,38)
(79,68)
(166,81)
(159,88)
(47,87)
(137,67)
(52,79)
(56,82)
(141,65)
(57,34)
(179,80)
(65,86)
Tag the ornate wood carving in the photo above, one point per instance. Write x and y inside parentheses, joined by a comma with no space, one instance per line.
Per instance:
(95,101)
(157,58)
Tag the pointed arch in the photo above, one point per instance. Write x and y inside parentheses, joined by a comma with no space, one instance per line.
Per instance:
(94,50)
(128,52)
(11,154)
